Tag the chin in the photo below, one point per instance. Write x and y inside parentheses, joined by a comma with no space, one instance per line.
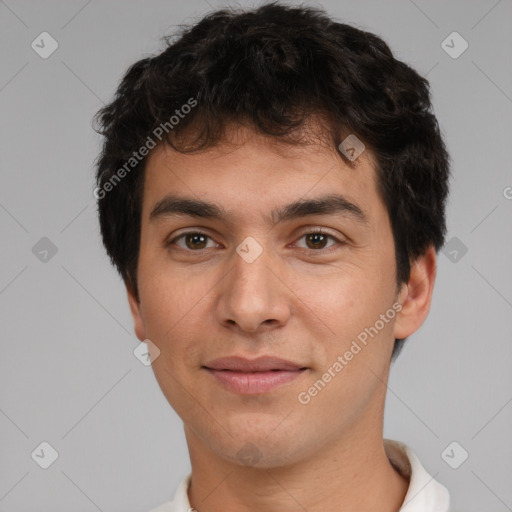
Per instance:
(260,448)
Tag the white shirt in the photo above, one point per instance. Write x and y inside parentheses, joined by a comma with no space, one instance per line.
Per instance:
(423,495)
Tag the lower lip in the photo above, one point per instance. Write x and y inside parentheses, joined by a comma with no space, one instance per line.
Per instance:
(254,383)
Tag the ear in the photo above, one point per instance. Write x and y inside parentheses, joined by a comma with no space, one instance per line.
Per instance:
(416,295)
(138,322)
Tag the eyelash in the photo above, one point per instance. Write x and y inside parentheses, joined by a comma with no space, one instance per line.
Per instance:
(318,231)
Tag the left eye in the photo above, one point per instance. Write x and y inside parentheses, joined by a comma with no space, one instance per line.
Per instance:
(195,240)
(317,240)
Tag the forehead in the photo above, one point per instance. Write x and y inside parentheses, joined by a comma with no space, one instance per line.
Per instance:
(249,171)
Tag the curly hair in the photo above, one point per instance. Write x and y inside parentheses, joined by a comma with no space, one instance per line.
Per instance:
(273,68)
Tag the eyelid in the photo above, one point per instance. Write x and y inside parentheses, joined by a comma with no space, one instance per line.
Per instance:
(312,229)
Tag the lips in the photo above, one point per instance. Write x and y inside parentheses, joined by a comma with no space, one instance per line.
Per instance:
(261,364)
(253,376)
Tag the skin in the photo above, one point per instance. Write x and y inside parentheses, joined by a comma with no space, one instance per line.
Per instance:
(295,301)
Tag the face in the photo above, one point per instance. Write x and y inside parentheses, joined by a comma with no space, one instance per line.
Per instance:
(251,276)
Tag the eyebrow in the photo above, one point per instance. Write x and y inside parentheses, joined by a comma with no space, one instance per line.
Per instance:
(332,204)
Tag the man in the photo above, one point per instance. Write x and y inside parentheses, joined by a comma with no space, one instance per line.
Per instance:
(272,190)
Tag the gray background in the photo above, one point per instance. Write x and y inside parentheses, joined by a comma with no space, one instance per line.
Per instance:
(67,372)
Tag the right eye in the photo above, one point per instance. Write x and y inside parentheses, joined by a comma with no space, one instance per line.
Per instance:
(193,241)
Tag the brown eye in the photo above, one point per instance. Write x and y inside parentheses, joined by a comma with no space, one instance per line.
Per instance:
(194,241)
(317,240)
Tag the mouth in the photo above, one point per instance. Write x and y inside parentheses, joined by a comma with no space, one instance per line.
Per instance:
(260,364)
(253,377)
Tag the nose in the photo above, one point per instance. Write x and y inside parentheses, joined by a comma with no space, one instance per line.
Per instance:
(252,297)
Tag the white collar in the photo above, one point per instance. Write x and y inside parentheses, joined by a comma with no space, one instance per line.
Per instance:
(423,495)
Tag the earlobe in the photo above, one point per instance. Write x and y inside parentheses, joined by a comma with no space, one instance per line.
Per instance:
(138,323)
(416,296)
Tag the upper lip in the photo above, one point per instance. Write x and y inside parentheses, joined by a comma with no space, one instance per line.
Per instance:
(260,364)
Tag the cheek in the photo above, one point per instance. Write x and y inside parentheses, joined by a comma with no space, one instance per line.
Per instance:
(345,303)
(168,297)
(362,341)
(174,319)
(175,310)
(351,308)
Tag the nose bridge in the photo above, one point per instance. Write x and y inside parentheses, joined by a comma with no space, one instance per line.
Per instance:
(251,277)
(251,295)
